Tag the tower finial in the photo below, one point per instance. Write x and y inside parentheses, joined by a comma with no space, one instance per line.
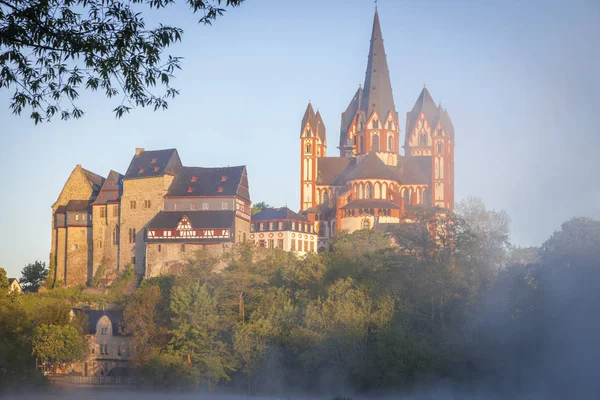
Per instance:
(424,86)
(375,5)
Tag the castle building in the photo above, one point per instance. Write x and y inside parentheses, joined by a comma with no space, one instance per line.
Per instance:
(283,229)
(371,183)
(149,218)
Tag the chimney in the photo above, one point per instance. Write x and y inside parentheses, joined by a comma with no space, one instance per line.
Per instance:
(78,166)
(138,150)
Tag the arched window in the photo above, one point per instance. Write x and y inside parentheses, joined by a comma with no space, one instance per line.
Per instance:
(308,133)
(389,124)
(325,197)
(437,168)
(423,138)
(365,224)
(308,148)
(384,194)
(375,123)
(426,197)
(406,197)
(362,145)
(114,236)
(439,147)
(361,194)
(377,187)
(368,191)
(441,167)
(375,139)
(390,143)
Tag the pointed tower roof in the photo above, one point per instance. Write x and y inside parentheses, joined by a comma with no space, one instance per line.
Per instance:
(321,131)
(310,118)
(425,104)
(377,93)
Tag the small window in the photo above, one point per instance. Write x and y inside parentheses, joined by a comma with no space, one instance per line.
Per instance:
(75,246)
(271,226)
(220,189)
(312,247)
(147,204)
(439,147)
(115,211)
(192,206)
(293,245)
(102,212)
(133,260)
(153,161)
(194,178)
(389,124)
(375,124)
(159,248)
(308,149)
(76,217)
(190,190)
(365,224)
(224,206)
(261,243)
(280,243)
(244,237)
(261,226)
(100,243)
(299,245)
(141,170)
(223,178)
(132,204)
(183,248)
(156,169)
(271,243)
(205,206)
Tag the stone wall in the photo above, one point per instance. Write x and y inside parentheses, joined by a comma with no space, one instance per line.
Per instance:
(105,250)
(77,187)
(79,255)
(139,191)
(169,259)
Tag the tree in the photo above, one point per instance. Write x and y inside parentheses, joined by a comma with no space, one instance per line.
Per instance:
(4,285)
(577,241)
(57,343)
(33,276)
(196,332)
(258,207)
(52,49)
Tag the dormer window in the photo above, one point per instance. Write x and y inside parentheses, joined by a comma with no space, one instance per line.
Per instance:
(220,189)
(190,190)
(153,161)
(194,178)
(156,169)
(141,170)
(223,178)
(375,124)
(389,124)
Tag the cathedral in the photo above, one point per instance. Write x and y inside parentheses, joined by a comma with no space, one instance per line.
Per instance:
(371,183)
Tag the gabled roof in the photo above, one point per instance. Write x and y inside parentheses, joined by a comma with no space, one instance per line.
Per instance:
(198,219)
(277,213)
(153,163)
(95,180)
(309,118)
(321,131)
(78,205)
(349,114)
(371,167)
(199,182)
(330,170)
(425,104)
(111,190)
(377,95)
(115,317)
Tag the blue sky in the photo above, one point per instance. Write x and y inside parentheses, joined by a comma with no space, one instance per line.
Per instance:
(519,79)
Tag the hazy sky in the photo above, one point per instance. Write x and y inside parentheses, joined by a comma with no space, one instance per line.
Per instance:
(519,79)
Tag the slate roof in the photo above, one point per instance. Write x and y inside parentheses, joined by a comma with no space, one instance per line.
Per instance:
(321,131)
(198,219)
(112,193)
(370,203)
(330,170)
(198,181)
(349,114)
(77,205)
(153,163)
(416,170)
(277,213)
(116,319)
(96,180)
(371,167)
(309,117)
(61,209)
(377,95)
(425,104)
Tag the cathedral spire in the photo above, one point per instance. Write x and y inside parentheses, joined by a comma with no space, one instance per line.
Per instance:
(378,88)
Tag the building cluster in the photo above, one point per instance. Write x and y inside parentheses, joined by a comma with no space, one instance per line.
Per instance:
(160,211)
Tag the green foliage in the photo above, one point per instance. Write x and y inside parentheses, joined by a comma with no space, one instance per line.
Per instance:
(51,279)
(33,276)
(98,275)
(50,51)
(4,285)
(57,343)
(258,207)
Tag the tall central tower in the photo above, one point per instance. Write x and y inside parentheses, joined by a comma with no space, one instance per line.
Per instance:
(371,122)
